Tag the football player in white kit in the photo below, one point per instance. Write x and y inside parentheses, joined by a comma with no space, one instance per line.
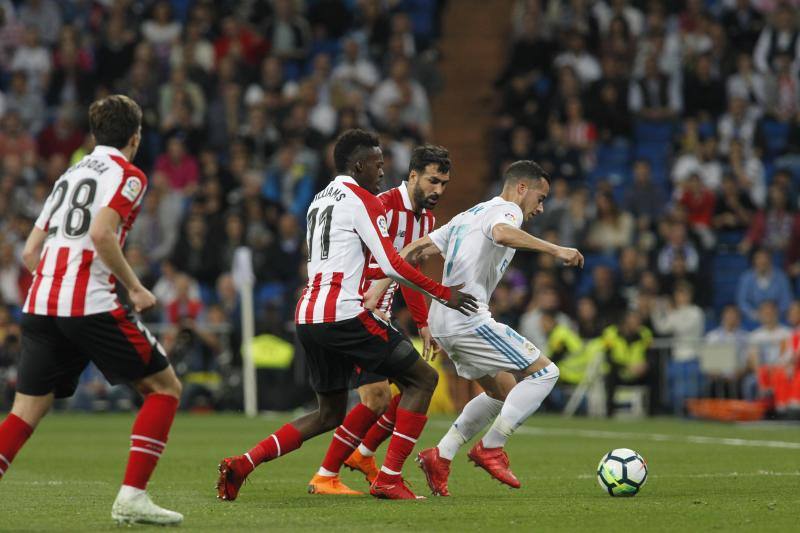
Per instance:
(478,246)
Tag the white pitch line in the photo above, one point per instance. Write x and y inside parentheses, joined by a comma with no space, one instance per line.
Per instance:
(658,437)
(767,473)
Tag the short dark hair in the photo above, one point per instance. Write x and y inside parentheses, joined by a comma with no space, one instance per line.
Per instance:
(114,119)
(430,154)
(350,142)
(524,169)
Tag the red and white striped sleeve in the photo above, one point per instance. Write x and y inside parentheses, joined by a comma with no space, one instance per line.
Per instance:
(129,191)
(370,223)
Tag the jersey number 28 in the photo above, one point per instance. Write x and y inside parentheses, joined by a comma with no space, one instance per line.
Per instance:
(78,217)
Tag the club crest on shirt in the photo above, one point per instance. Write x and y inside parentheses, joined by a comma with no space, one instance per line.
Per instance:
(383,226)
(132,188)
(511,217)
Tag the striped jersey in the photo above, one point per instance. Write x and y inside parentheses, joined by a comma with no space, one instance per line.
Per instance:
(405,227)
(345,224)
(70,279)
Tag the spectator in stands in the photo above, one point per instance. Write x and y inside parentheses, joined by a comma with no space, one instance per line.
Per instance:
(13,276)
(63,136)
(677,243)
(763,283)
(631,265)
(780,35)
(531,53)
(782,88)
(611,229)
(579,132)
(179,166)
(766,365)
(748,83)
(625,345)
(606,295)
(530,323)
(195,253)
(699,202)
(239,41)
(704,161)
(684,322)
(288,33)
(579,58)
(161,30)
(749,173)
(45,16)
(15,140)
(734,209)
(743,23)
(556,155)
(183,305)
(645,200)
(401,88)
(587,318)
(730,333)
(703,92)
(777,227)
(655,95)
(34,59)
(740,123)
(354,71)
(195,53)
(29,104)
(565,348)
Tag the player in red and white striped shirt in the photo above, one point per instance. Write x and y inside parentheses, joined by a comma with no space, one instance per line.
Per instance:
(410,217)
(345,221)
(72,315)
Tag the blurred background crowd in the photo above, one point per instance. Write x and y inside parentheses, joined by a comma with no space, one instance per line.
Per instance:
(671,131)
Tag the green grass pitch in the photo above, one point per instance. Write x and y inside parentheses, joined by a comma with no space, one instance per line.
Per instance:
(703,477)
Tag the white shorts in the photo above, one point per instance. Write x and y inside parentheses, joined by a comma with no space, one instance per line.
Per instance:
(488,349)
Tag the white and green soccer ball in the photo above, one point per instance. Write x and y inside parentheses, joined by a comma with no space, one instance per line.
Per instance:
(622,472)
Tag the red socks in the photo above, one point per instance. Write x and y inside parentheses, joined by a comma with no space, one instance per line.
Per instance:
(383,427)
(149,437)
(407,430)
(347,437)
(14,431)
(286,439)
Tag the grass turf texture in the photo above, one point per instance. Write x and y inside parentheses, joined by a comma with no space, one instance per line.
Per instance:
(68,474)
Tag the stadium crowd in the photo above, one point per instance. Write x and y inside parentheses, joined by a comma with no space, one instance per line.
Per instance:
(671,131)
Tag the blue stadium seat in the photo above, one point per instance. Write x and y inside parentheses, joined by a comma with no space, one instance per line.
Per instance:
(269,292)
(726,270)
(776,136)
(654,131)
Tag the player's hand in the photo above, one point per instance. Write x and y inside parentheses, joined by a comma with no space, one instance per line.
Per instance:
(142,299)
(464,303)
(429,347)
(570,256)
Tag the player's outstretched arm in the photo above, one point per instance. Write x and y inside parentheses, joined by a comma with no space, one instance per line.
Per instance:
(33,248)
(370,224)
(508,235)
(103,233)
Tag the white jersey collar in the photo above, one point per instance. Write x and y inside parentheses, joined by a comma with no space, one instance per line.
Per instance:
(404,195)
(102,149)
(344,178)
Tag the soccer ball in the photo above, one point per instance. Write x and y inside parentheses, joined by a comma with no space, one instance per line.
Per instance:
(622,472)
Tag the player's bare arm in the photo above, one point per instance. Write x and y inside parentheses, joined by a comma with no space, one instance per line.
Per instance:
(508,235)
(415,253)
(103,233)
(33,248)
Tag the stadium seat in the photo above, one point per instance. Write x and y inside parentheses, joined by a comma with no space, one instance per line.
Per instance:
(654,131)
(776,136)
(726,268)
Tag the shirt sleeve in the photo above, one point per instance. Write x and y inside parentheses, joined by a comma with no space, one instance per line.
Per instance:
(417,306)
(369,221)
(43,220)
(502,214)
(128,193)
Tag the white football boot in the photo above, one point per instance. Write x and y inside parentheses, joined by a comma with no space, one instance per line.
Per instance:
(134,506)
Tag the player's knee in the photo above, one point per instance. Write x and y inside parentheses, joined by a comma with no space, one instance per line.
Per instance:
(376,397)
(429,378)
(330,417)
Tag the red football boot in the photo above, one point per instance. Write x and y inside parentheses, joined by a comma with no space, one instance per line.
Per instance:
(494,461)
(436,470)
(232,473)
(392,490)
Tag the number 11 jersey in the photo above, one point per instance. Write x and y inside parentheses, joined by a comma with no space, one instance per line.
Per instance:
(345,223)
(70,279)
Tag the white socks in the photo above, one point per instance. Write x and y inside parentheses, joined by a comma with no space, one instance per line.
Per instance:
(523,400)
(476,414)
(366,452)
(126,492)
